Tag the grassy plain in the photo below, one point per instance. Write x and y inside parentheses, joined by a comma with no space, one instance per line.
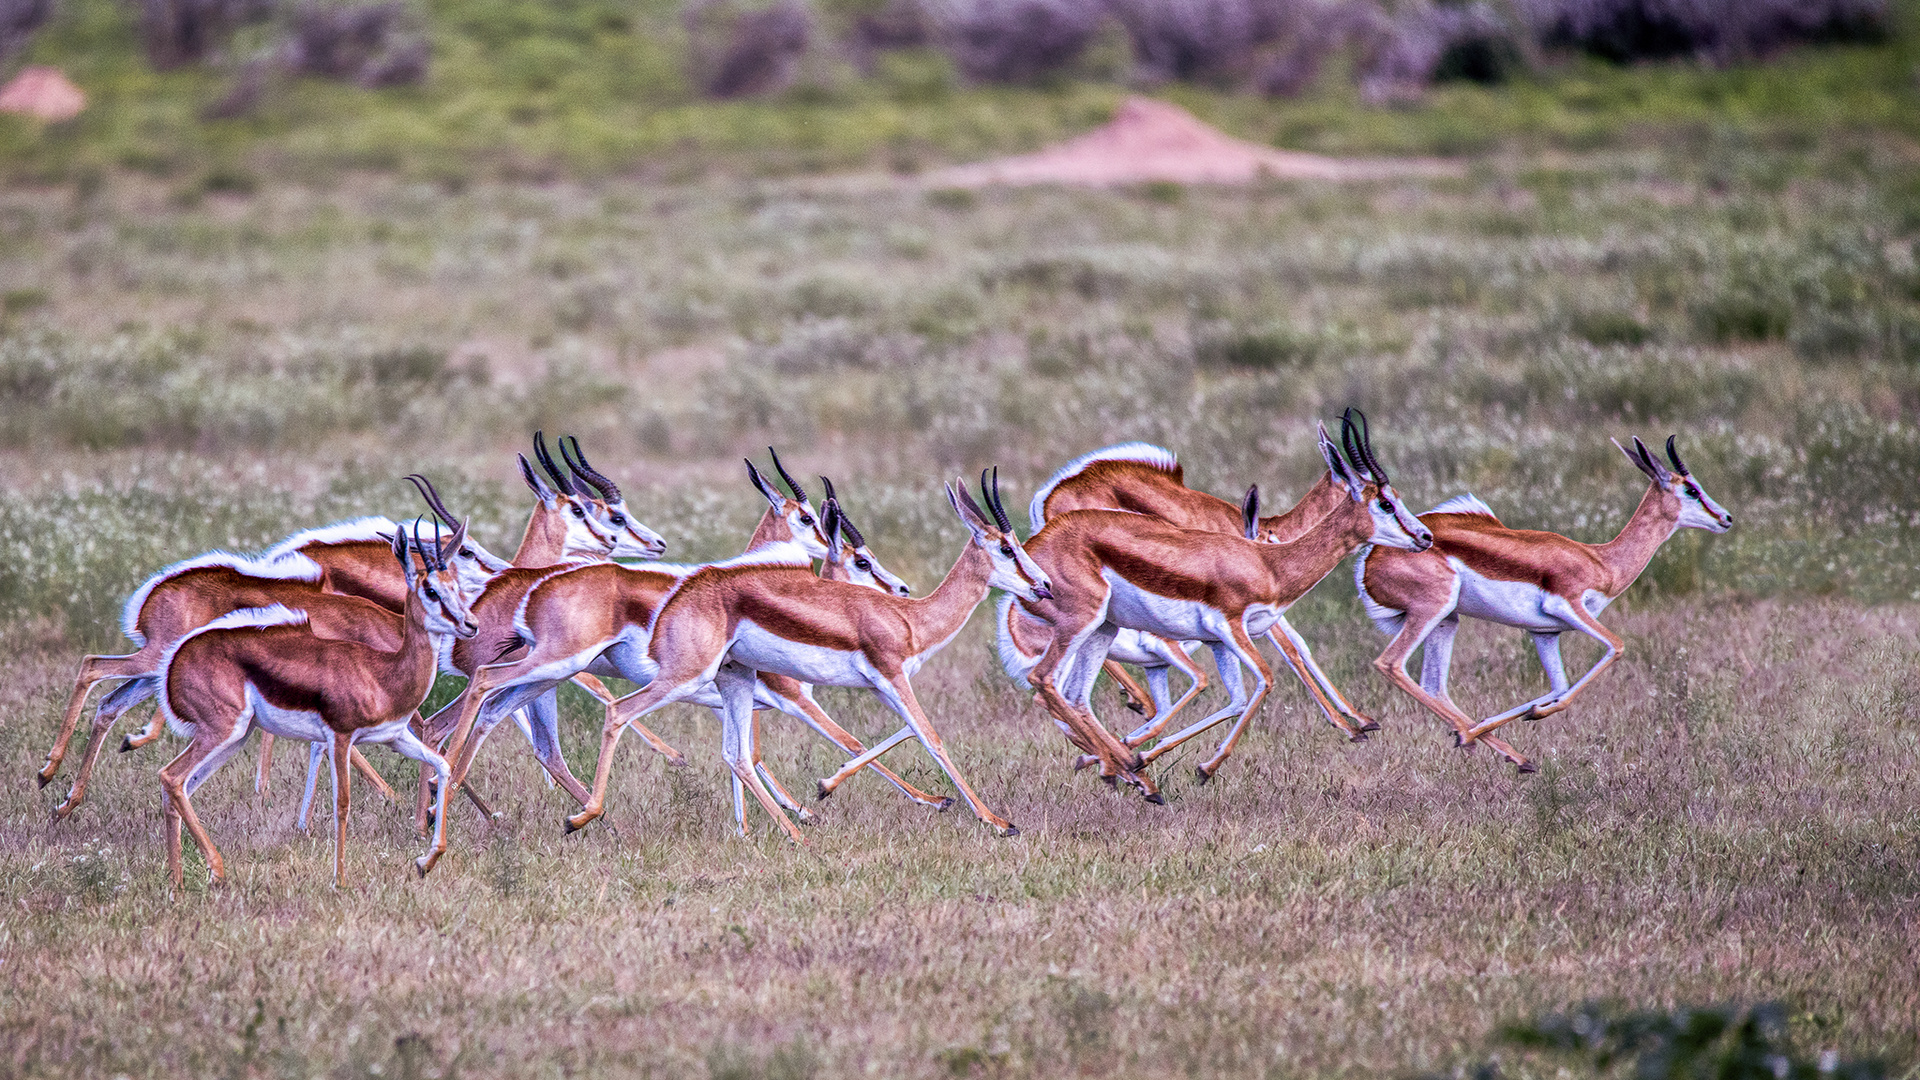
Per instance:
(1733,815)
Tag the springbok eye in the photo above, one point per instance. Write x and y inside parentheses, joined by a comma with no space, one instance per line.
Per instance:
(466,553)
(431,595)
(1693,492)
(579,513)
(1386,506)
(1006,549)
(862,564)
(806,519)
(619,519)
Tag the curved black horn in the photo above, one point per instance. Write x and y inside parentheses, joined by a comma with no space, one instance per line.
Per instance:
(420,547)
(439,551)
(432,497)
(1674,456)
(561,480)
(828,484)
(992,495)
(1366,447)
(799,492)
(1349,441)
(609,491)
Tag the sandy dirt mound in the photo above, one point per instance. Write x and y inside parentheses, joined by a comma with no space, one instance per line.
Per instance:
(1151,140)
(42,92)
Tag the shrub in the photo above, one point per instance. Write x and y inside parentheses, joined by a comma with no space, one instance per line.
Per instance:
(180,32)
(366,44)
(1016,40)
(739,54)
(1428,44)
(1201,39)
(1624,31)
(19,19)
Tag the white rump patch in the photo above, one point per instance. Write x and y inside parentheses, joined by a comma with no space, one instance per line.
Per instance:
(285,568)
(340,532)
(1464,504)
(271,615)
(1158,457)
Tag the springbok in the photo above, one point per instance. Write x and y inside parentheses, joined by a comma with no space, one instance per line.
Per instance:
(726,622)
(1114,569)
(597,619)
(192,593)
(1540,582)
(1148,479)
(265,667)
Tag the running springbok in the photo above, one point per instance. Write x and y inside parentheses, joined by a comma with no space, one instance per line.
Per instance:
(192,593)
(266,667)
(597,619)
(1540,582)
(1148,479)
(726,622)
(1113,569)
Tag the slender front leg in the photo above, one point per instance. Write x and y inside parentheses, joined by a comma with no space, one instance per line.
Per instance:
(897,692)
(1435,629)
(1262,680)
(209,749)
(1576,615)
(409,744)
(265,768)
(1157,678)
(342,798)
(864,759)
(796,699)
(1303,667)
(1137,699)
(316,753)
(1227,662)
(1360,722)
(598,689)
(735,684)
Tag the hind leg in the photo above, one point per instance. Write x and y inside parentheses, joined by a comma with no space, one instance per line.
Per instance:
(210,749)
(93,669)
(123,697)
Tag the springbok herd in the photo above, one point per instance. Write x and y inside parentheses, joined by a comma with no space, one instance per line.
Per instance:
(333,635)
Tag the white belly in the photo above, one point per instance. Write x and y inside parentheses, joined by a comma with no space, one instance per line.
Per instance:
(760,650)
(1132,608)
(1512,603)
(288,723)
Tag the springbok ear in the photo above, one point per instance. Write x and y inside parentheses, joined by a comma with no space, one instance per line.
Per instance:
(969,511)
(453,543)
(399,543)
(1329,450)
(1344,473)
(540,489)
(1639,460)
(774,499)
(1250,513)
(830,526)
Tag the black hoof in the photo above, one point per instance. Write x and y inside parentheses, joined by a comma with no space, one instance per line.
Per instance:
(42,781)
(1137,707)
(1202,773)
(1157,799)
(570,829)
(1358,736)
(821,790)
(126,743)
(1371,725)
(946,804)
(1526,767)
(1011,830)
(1110,781)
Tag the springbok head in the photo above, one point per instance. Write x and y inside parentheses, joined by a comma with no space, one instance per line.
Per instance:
(1697,508)
(571,508)
(850,551)
(1394,525)
(636,541)
(436,585)
(474,564)
(1013,569)
(803,523)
